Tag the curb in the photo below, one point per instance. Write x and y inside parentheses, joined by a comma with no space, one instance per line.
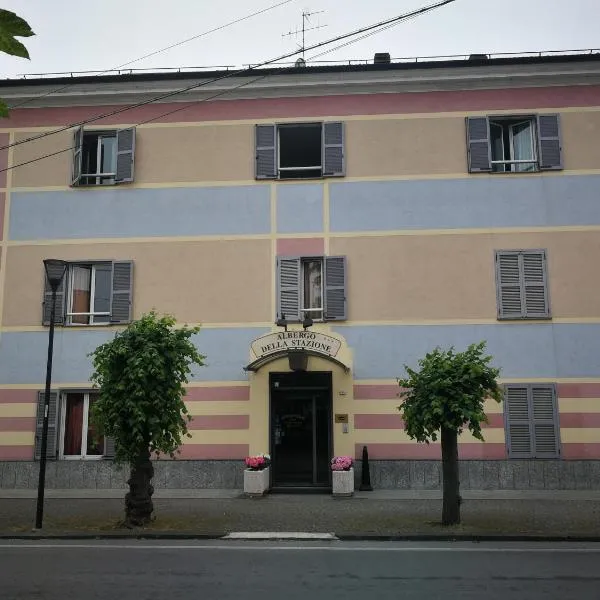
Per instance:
(283,536)
(465,537)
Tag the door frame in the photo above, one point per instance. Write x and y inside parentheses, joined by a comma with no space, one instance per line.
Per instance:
(310,391)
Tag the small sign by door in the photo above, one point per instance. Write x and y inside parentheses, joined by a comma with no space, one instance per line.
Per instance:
(339,418)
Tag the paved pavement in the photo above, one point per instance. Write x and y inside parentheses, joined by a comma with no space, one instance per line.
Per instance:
(376,514)
(231,570)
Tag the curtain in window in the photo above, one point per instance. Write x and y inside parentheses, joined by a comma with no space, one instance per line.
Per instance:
(313,296)
(81,286)
(74,408)
(523,145)
(95,447)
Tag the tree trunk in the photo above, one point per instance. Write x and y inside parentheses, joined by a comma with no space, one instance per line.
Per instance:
(138,502)
(451,505)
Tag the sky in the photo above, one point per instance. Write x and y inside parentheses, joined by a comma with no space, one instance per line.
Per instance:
(73,36)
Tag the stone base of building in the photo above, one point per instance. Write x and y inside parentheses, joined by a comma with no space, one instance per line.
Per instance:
(385,474)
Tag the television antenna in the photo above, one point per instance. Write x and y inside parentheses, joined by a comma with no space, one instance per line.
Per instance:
(306,15)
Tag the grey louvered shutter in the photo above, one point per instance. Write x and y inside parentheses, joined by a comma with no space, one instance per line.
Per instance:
(478,144)
(535,284)
(519,435)
(77,156)
(509,285)
(125,155)
(288,288)
(333,149)
(550,145)
(266,151)
(546,432)
(335,288)
(122,291)
(51,448)
(109,448)
(59,313)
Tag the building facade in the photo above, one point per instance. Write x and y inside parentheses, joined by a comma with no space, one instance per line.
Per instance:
(325,226)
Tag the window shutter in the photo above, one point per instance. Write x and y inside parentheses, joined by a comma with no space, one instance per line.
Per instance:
(517,421)
(508,285)
(288,288)
(122,288)
(546,432)
(125,155)
(335,288)
(266,151)
(51,448)
(109,448)
(333,149)
(59,313)
(550,147)
(478,144)
(77,156)
(535,284)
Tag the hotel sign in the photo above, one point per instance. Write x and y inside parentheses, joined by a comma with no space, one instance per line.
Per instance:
(296,340)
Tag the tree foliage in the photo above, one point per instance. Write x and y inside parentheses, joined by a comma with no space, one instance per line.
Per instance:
(141,374)
(448,391)
(12,27)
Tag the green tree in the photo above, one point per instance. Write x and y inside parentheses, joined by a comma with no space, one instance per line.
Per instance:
(447,395)
(11,27)
(141,374)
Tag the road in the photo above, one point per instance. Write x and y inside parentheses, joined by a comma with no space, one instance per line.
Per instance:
(237,570)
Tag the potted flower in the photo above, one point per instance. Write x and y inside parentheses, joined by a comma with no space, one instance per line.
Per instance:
(342,475)
(257,475)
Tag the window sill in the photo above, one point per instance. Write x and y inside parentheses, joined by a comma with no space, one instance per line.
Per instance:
(529,319)
(83,458)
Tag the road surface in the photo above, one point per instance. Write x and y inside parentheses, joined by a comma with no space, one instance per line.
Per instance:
(222,570)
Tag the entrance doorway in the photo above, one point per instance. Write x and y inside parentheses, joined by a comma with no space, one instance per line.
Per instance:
(301,429)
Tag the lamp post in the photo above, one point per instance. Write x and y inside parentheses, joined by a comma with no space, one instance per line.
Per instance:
(55,272)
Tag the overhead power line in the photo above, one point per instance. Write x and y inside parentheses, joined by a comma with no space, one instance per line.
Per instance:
(383,25)
(155,52)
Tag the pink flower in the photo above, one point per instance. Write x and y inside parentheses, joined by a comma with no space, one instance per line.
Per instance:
(341,463)
(257,463)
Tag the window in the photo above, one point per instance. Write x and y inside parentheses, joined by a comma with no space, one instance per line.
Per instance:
(531,421)
(521,284)
(516,144)
(92,293)
(103,157)
(70,433)
(88,295)
(300,150)
(77,436)
(313,287)
(512,144)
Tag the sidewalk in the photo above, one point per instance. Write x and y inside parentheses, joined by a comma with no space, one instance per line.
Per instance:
(382,514)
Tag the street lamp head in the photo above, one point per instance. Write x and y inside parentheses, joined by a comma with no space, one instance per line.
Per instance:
(55,271)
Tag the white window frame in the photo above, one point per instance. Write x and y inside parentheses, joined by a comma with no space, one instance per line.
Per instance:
(511,122)
(304,311)
(99,175)
(85,425)
(91,314)
(281,169)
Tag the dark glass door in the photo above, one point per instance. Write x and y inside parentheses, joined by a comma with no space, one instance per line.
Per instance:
(301,437)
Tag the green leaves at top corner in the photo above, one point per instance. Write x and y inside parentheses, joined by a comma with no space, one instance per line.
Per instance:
(12,26)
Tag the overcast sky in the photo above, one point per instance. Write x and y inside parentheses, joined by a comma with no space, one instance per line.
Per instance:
(72,35)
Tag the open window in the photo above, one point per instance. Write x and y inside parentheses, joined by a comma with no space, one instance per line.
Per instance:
(313,287)
(92,293)
(514,144)
(300,150)
(103,157)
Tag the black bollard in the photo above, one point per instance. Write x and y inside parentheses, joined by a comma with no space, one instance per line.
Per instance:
(365,484)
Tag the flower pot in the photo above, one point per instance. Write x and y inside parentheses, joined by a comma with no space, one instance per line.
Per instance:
(257,483)
(343,483)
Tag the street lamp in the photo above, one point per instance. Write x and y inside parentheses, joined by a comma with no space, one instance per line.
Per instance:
(55,272)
